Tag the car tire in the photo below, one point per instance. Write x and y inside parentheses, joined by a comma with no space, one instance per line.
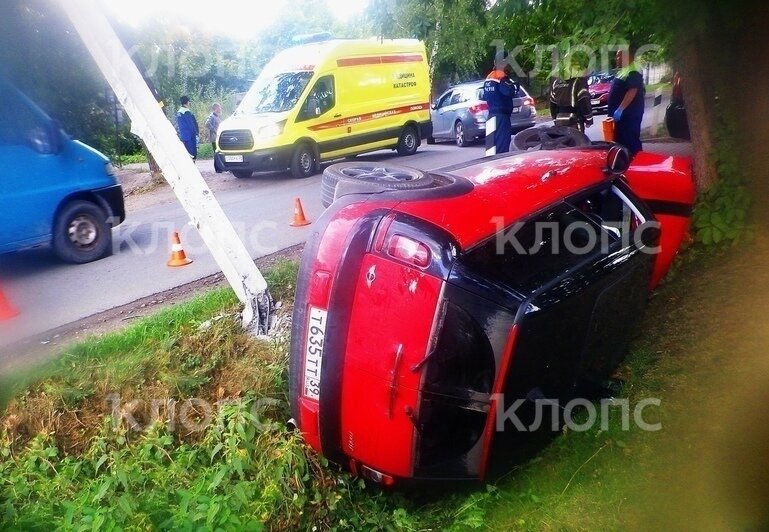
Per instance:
(459,135)
(364,177)
(242,174)
(549,138)
(303,161)
(408,141)
(82,233)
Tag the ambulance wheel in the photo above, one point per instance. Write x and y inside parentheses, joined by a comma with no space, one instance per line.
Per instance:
(363,177)
(303,161)
(409,141)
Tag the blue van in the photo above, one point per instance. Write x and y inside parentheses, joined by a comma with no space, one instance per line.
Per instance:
(53,189)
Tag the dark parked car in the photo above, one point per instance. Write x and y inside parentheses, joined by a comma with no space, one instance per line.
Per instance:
(427,302)
(460,115)
(599,85)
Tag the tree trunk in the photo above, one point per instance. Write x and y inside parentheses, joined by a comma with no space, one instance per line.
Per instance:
(155,170)
(697,85)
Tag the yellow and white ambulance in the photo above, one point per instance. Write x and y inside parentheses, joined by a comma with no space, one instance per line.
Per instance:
(327,100)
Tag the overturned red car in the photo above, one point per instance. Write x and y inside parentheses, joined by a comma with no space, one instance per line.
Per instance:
(427,302)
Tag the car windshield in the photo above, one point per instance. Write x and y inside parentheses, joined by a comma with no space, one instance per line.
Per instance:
(600,78)
(274,94)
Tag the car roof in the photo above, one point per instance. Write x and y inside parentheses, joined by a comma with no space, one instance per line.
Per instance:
(508,189)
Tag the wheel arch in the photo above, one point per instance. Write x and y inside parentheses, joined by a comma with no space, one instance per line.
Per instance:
(82,195)
(313,144)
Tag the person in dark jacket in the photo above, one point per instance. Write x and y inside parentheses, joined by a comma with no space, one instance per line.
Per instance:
(570,103)
(626,102)
(188,127)
(498,92)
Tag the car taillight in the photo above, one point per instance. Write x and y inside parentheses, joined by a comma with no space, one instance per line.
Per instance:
(528,101)
(478,108)
(409,250)
(376,476)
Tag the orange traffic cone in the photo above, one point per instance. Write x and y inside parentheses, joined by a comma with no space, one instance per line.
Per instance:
(6,310)
(178,257)
(299,218)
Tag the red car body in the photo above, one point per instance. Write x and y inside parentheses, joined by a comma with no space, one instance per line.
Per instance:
(405,330)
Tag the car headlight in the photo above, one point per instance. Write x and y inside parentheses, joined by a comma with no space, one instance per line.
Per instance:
(109,169)
(271,130)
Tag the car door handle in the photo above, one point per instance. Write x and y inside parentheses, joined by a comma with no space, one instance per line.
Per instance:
(337,115)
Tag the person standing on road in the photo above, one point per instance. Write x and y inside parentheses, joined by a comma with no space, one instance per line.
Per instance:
(498,92)
(188,127)
(212,126)
(570,103)
(626,102)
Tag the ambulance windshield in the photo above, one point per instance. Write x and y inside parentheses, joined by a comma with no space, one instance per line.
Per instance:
(274,93)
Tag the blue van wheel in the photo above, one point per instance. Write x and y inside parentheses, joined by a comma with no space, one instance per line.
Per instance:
(81,233)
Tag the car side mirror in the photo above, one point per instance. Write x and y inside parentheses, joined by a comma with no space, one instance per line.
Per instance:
(54,137)
(617,160)
(434,106)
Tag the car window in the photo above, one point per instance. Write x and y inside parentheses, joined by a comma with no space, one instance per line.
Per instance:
(320,100)
(274,94)
(530,254)
(456,97)
(19,124)
(612,210)
(444,100)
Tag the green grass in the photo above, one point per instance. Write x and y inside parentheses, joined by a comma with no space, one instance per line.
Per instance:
(63,464)
(205,151)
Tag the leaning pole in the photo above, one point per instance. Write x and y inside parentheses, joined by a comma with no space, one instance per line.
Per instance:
(150,124)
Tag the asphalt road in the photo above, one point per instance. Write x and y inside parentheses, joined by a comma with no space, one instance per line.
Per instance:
(50,294)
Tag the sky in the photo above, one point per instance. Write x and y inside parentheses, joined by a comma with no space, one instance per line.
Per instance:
(236,18)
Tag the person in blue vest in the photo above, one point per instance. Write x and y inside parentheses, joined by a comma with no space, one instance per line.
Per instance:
(498,92)
(626,102)
(188,127)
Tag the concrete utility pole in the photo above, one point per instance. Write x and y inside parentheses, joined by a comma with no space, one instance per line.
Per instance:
(151,125)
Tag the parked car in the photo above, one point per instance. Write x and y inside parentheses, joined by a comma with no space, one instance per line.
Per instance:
(599,85)
(676,120)
(459,114)
(53,190)
(422,297)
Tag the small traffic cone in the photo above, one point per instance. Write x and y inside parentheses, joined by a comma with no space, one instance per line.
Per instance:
(299,218)
(6,310)
(178,257)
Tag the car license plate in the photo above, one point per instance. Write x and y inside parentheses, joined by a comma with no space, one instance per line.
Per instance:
(595,102)
(233,158)
(313,352)
(516,109)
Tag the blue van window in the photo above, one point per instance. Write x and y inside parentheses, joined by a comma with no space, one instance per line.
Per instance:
(19,124)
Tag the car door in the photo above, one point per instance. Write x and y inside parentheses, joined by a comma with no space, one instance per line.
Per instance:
(318,115)
(440,127)
(30,173)
(622,276)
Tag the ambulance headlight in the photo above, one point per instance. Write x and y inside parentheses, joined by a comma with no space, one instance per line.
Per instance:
(271,130)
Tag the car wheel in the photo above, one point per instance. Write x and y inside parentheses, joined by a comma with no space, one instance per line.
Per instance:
(409,141)
(370,177)
(242,174)
(81,233)
(549,138)
(459,134)
(303,161)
